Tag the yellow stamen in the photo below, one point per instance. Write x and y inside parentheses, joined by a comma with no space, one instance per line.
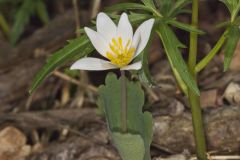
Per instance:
(120,55)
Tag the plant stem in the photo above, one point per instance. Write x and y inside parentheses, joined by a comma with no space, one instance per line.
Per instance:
(204,62)
(194,99)
(123,102)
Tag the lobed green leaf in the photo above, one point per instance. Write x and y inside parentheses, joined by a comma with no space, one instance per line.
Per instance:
(130,146)
(138,123)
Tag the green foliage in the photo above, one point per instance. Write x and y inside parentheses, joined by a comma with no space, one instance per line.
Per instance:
(233,7)
(137,18)
(171,8)
(171,45)
(134,18)
(130,146)
(127,6)
(185,27)
(75,49)
(144,74)
(233,37)
(149,3)
(233,34)
(27,9)
(3,24)
(139,125)
(41,11)
(21,19)
(149,7)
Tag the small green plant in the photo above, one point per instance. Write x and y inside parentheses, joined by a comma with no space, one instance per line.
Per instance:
(26,9)
(130,128)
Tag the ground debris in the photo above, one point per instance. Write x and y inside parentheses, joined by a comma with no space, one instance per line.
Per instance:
(13,144)
(173,157)
(175,134)
(232,93)
(209,98)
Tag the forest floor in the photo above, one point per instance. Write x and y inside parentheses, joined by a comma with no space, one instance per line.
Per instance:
(60,120)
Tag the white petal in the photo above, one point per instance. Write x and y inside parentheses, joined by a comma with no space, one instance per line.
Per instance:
(98,41)
(134,66)
(106,27)
(144,31)
(125,29)
(92,64)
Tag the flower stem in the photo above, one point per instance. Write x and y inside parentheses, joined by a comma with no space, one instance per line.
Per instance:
(194,99)
(123,102)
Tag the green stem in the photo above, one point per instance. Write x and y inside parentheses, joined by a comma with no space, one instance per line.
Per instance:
(194,99)
(204,62)
(123,102)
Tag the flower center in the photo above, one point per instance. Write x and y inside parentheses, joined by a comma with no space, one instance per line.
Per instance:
(120,55)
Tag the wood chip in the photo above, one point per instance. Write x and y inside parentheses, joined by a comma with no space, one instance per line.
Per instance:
(209,98)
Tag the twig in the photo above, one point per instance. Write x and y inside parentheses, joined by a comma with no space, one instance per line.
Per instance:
(151,93)
(74,81)
(76,13)
(95,8)
(222,157)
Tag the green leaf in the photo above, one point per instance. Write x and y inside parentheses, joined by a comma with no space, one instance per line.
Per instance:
(231,44)
(178,7)
(171,8)
(233,7)
(165,6)
(138,123)
(137,18)
(134,18)
(144,74)
(127,6)
(149,127)
(42,12)
(185,27)
(149,3)
(79,47)
(171,46)
(4,24)
(130,146)
(21,19)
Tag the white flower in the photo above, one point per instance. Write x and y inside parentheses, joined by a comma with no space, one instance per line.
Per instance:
(116,43)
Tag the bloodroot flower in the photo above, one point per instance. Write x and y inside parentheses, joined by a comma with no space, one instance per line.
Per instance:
(116,43)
